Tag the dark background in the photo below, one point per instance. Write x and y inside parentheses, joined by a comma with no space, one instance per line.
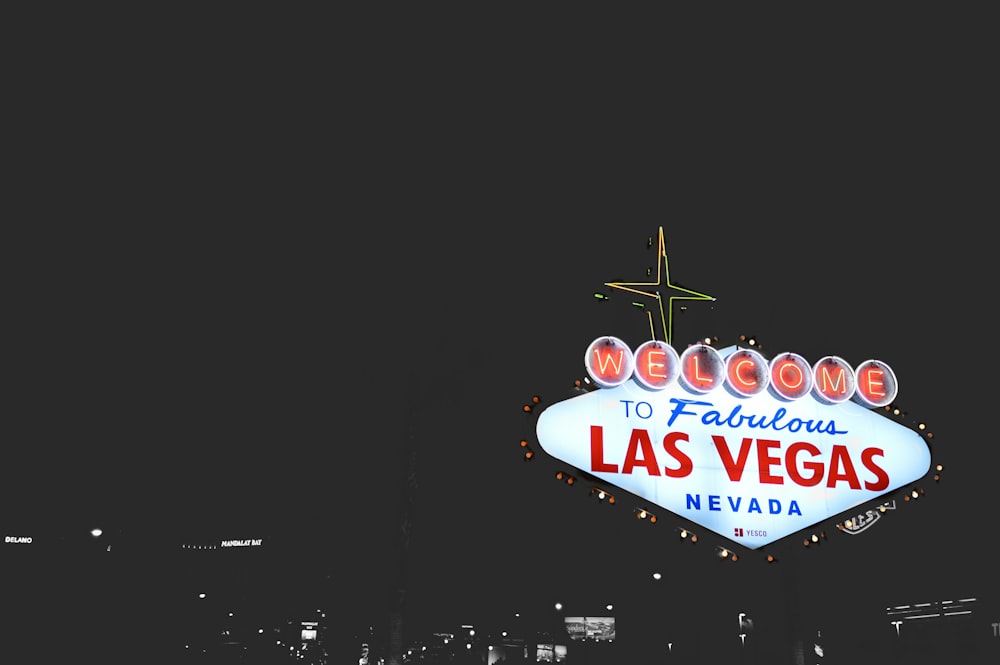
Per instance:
(244,283)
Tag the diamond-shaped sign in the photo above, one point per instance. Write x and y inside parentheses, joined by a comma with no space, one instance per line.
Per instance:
(752,469)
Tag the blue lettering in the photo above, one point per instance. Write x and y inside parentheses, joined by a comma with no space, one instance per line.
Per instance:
(712,418)
(648,409)
(715,504)
(736,419)
(778,415)
(678,409)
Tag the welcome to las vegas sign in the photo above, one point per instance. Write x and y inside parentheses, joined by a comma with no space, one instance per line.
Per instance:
(751,448)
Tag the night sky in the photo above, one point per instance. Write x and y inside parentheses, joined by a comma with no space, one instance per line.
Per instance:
(231,319)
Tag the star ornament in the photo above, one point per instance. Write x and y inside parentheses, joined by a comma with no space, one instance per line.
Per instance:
(662,283)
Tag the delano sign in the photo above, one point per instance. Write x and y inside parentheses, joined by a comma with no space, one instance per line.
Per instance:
(750,448)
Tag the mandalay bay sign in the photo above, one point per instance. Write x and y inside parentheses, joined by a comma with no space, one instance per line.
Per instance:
(752,448)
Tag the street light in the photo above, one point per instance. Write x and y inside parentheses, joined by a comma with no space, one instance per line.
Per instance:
(746,623)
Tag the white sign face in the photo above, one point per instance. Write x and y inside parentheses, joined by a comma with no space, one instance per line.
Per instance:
(750,466)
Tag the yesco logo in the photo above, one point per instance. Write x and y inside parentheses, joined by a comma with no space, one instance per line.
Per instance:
(751,448)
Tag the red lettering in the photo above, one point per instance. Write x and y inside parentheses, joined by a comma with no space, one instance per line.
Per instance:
(694,374)
(883,478)
(597,462)
(876,383)
(670,445)
(873,383)
(733,467)
(841,458)
(832,383)
(802,470)
(640,439)
(654,365)
(744,373)
(788,374)
(791,376)
(792,466)
(609,362)
(702,368)
(765,462)
(608,359)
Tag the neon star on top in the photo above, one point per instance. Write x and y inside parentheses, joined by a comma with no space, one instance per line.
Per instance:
(662,280)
